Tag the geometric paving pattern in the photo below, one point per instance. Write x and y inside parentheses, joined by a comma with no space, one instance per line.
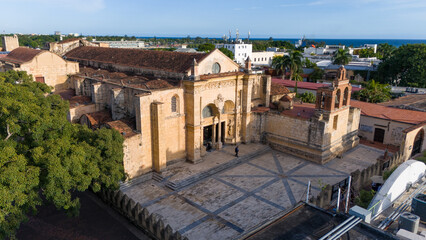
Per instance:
(233,201)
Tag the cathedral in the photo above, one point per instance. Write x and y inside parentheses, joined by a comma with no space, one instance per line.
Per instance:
(172,106)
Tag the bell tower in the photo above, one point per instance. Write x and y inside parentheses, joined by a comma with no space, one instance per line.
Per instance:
(335,97)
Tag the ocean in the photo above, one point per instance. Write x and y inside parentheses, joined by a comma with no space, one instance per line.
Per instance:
(347,42)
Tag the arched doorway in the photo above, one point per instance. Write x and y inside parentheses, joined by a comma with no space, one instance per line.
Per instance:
(418,142)
(209,127)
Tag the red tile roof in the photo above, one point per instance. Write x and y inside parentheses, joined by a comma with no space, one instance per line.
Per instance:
(79,100)
(260,109)
(124,126)
(21,55)
(69,40)
(389,113)
(149,59)
(305,85)
(278,89)
(286,98)
(97,118)
(305,111)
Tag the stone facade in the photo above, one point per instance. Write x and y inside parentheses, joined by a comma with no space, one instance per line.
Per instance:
(10,43)
(44,66)
(317,133)
(181,112)
(61,48)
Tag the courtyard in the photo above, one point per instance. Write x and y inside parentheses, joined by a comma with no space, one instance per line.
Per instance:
(224,197)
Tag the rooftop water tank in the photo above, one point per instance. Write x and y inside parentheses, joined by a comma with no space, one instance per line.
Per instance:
(418,206)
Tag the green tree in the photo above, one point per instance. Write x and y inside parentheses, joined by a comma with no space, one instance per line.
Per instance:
(342,57)
(366,53)
(406,66)
(227,52)
(374,92)
(206,47)
(385,51)
(42,154)
(308,64)
(295,63)
(280,64)
(317,74)
(308,97)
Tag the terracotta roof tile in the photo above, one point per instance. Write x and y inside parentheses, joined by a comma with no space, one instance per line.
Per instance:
(79,100)
(21,55)
(69,40)
(286,98)
(305,85)
(389,113)
(304,111)
(145,82)
(98,118)
(148,59)
(125,126)
(278,89)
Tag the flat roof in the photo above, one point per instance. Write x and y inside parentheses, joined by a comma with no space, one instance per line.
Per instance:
(306,221)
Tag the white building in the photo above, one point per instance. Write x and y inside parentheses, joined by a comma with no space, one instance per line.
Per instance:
(262,58)
(240,50)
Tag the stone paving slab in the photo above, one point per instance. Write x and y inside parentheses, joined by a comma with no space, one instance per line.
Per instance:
(228,203)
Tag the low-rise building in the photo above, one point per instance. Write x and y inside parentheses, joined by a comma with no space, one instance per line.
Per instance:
(44,66)
(262,58)
(392,126)
(241,50)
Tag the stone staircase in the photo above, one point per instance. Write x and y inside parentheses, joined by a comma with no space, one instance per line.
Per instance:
(137,180)
(195,178)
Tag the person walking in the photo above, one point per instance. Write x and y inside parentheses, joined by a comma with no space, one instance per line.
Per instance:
(236,151)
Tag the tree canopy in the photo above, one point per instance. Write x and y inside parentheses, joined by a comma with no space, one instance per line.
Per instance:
(45,157)
(406,66)
(280,64)
(206,47)
(342,57)
(227,52)
(374,92)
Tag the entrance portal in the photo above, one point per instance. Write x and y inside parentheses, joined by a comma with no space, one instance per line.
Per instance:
(379,135)
(207,134)
(418,142)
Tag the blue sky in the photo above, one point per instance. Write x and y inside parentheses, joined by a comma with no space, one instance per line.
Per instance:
(403,19)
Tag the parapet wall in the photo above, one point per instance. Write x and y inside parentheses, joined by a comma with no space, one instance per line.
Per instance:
(151,224)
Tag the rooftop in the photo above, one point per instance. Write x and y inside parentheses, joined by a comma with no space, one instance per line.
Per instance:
(413,102)
(144,82)
(301,110)
(304,85)
(278,89)
(98,118)
(21,55)
(147,59)
(389,113)
(125,126)
(308,222)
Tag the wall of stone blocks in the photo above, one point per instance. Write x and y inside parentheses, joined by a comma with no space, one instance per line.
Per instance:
(152,224)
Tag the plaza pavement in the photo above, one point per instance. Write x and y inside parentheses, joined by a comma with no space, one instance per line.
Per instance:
(232,201)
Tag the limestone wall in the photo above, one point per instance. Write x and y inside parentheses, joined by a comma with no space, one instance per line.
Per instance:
(75,113)
(10,43)
(393,130)
(133,160)
(152,224)
(53,68)
(172,136)
(408,141)
(226,64)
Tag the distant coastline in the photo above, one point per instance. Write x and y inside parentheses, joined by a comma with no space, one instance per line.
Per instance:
(347,42)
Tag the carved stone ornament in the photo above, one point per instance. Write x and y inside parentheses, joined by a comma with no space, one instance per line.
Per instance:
(219,102)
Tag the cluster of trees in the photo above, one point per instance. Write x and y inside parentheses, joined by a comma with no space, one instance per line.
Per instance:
(374,92)
(43,157)
(262,45)
(405,66)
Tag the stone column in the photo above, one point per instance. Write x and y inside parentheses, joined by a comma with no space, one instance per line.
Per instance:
(97,96)
(214,131)
(267,89)
(219,136)
(158,141)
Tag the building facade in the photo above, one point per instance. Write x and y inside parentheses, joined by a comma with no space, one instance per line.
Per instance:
(44,66)
(241,51)
(10,43)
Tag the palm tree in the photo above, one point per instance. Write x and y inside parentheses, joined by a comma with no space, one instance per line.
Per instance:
(342,57)
(374,92)
(280,64)
(295,63)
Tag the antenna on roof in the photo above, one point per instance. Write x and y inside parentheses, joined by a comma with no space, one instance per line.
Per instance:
(237,34)
(248,38)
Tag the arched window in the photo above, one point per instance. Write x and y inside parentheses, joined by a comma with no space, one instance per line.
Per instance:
(337,99)
(345,97)
(322,100)
(174,104)
(207,112)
